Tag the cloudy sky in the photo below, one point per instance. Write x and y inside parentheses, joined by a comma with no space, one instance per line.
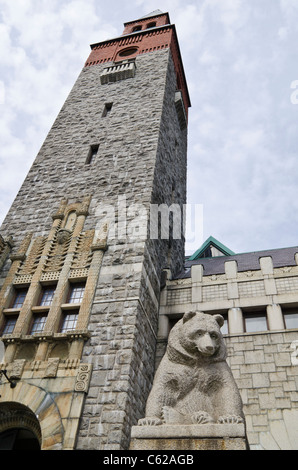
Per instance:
(240,59)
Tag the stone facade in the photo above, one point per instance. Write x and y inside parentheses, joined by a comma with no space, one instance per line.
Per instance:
(117,146)
(81,223)
(264,363)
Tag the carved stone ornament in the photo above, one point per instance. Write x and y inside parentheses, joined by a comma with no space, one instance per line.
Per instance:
(63,236)
(83,378)
(17,369)
(52,367)
(194,384)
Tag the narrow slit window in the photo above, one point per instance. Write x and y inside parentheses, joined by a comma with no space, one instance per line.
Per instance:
(107,109)
(92,154)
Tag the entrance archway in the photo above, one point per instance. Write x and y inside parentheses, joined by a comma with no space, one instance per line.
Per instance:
(19,428)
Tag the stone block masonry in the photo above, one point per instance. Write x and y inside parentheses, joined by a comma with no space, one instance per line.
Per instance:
(265,371)
(141,155)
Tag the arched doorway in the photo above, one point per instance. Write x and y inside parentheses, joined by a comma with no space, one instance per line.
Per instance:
(19,428)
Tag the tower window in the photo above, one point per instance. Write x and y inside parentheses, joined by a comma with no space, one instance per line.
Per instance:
(107,109)
(93,150)
(47,296)
(151,25)
(128,51)
(76,293)
(69,321)
(19,298)
(136,28)
(38,323)
(9,325)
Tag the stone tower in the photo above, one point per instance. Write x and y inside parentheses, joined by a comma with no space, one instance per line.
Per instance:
(82,252)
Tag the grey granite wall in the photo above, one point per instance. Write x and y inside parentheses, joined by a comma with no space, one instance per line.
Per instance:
(141,159)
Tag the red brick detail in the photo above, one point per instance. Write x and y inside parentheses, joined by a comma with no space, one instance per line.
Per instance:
(160,20)
(142,43)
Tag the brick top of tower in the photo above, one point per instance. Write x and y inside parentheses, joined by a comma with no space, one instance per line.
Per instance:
(153,20)
(150,33)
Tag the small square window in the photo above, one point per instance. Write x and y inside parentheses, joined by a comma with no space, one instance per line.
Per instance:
(38,323)
(76,293)
(10,323)
(255,322)
(69,321)
(19,298)
(47,296)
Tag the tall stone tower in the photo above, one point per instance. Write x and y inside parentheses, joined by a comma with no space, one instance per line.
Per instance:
(83,255)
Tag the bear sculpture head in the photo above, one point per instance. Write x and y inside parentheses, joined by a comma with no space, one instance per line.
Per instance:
(197,338)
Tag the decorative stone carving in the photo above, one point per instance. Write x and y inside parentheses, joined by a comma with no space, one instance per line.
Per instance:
(17,369)
(83,378)
(63,235)
(52,367)
(194,384)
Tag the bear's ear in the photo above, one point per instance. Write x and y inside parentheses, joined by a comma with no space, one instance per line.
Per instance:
(219,319)
(188,315)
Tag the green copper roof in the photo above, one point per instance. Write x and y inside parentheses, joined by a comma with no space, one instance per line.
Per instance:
(211,241)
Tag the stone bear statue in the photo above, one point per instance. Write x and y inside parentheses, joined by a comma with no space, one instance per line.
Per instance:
(194,384)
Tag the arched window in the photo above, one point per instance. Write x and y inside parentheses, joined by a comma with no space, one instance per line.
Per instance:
(151,25)
(19,428)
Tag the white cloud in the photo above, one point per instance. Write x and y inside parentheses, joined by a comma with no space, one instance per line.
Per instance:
(239,59)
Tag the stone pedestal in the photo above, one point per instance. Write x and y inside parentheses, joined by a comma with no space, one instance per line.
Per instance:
(189,437)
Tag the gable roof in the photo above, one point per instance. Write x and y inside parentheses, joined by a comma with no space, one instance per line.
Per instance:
(153,13)
(205,251)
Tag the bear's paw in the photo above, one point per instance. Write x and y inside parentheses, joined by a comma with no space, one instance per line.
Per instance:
(150,421)
(230,419)
(202,417)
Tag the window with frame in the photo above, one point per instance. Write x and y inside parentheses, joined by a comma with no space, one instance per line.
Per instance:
(38,323)
(76,293)
(19,298)
(9,324)
(254,322)
(69,321)
(47,296)
(291,319)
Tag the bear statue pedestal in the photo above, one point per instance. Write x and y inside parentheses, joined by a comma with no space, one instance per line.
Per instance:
(194,403)
(189,437)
